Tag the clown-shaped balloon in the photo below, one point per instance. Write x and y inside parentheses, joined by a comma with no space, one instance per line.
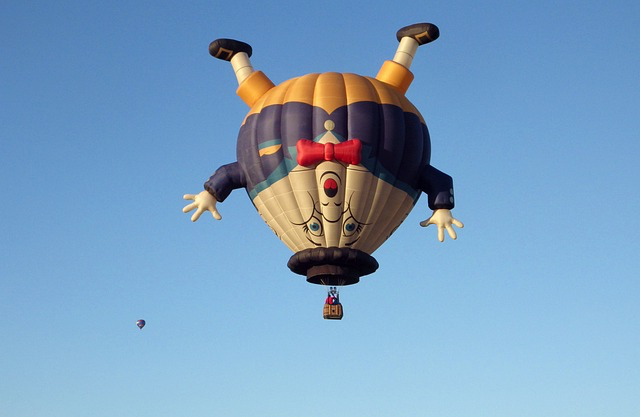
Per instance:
(332,162)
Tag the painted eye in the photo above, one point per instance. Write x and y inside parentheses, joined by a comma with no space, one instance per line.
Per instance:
(313,227)
(351,227)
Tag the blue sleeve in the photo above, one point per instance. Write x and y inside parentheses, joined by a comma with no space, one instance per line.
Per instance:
(438,186)
(226,179)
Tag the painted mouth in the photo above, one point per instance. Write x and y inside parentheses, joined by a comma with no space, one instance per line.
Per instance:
(330,187)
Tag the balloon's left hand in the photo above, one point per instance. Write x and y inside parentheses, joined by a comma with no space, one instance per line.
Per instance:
(444,220)
(201,202)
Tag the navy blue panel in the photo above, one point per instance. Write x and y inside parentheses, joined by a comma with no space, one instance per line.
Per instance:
(393,140)
(365,120)
(296,123)
(395,143)
(426,150)
(412,162)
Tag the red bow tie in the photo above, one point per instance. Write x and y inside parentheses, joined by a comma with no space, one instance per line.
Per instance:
(310,152)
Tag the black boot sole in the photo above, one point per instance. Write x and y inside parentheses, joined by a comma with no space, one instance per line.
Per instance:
(225,49)
(421,32)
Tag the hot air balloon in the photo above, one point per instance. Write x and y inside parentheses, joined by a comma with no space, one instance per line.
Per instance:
(333,162)
(140,323)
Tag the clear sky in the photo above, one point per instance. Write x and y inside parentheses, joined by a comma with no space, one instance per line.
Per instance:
(111,111)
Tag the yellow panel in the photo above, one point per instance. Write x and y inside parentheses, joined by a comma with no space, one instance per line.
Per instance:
(387,95)
(302,89)
(274,96)
(330,92)
(391,96)
(358,88)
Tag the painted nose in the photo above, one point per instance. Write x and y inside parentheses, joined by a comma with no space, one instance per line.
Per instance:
(330,187)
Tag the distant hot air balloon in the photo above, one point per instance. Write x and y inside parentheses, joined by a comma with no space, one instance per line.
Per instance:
(332,162)
(140,323)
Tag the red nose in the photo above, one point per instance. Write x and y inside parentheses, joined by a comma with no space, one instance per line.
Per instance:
(330,187)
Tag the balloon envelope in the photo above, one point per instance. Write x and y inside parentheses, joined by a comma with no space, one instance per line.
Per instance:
(334,163)
(140,323)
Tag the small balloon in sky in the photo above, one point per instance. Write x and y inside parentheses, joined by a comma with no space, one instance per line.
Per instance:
(140,323)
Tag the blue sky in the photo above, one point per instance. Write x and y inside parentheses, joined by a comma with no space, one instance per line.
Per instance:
(110,112)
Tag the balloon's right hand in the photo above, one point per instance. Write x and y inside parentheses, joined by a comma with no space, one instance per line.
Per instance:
(202,202)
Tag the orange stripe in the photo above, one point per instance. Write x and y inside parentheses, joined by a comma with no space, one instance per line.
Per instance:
(332,90)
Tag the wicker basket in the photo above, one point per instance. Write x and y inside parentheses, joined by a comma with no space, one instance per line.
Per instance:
(332,312)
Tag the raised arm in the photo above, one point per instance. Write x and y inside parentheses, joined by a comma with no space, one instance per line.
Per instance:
(439,188)
(226,179)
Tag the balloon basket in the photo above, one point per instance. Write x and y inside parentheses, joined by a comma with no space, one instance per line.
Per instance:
(332,312)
